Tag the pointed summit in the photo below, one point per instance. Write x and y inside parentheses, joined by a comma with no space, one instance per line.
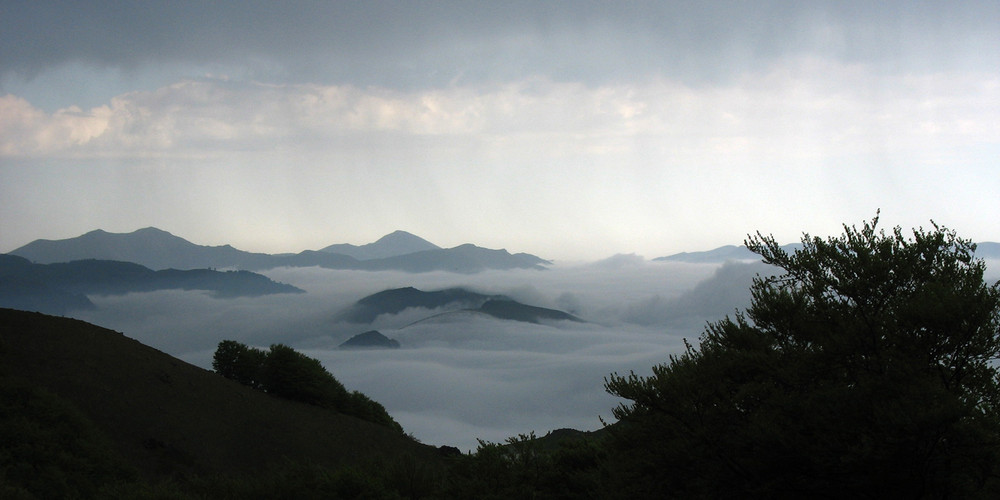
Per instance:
(393,244)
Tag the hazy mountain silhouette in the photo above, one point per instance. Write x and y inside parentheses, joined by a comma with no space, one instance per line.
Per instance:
(150,247)
(168,418)
(988,250)
(466,258)
(391,245)
(372,339)
(513,310)
(57,288)
(984,250)
(721,254)
(453,300)
(21,289)
(727,290)
(396,300)
(157,249)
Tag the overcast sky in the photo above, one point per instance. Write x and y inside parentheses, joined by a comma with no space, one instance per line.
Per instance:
(570,130)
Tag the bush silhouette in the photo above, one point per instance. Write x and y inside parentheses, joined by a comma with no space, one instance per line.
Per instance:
(287,373)
(864,370)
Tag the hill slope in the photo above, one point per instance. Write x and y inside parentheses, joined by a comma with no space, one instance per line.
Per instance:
(167,417)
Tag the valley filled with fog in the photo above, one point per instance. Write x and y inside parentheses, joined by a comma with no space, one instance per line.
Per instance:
(460,377)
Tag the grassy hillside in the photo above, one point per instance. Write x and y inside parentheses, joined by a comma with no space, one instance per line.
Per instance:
(167,418)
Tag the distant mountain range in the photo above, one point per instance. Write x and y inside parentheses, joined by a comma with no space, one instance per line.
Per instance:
(721,254)
(158,249)
(394,301)
(391,245)
(984,250)
(58,288)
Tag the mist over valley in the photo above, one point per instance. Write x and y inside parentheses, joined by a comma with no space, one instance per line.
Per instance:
(481,355)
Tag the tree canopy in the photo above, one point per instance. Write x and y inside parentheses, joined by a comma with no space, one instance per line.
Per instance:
(287,373)
(865,368)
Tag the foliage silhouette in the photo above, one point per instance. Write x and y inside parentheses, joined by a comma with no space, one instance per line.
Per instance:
(287,373)
(865,369)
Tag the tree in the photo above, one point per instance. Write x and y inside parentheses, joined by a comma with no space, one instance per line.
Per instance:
(293,375)
(865,369)
(240,362)
(284,372)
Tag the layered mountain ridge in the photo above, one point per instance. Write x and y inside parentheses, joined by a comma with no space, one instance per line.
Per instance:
(158,249)
(62,287)
(447,301)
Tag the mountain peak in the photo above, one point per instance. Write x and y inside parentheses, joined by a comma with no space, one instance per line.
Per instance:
(151,230)
(393,244)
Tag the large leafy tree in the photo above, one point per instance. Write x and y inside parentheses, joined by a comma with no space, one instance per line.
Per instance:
(864,369)
(287,373)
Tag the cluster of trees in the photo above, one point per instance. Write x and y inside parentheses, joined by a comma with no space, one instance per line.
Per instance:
(287,373)
(867,368)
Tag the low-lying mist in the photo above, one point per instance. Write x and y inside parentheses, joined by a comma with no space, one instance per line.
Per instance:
(461,377)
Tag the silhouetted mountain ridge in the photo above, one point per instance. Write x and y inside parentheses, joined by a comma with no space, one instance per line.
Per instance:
(721,254)
(372,339)
(157,249)
(391,245)
(984,250)
(396,300)
(453,300)
(58,288)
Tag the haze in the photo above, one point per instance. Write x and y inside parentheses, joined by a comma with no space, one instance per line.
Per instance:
(570,130)
(466,378)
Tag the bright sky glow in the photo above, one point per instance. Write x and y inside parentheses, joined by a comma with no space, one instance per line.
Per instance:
(570,130)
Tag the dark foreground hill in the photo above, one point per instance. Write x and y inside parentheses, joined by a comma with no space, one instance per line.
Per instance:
(168,418)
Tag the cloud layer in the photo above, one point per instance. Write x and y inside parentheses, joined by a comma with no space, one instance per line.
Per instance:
(571,130)
(453,380)
(802,111)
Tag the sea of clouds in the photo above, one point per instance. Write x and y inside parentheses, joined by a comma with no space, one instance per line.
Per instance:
(459,378)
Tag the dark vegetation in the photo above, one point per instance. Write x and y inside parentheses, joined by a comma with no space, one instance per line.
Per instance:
(95,410)
(865,368)
(284,372)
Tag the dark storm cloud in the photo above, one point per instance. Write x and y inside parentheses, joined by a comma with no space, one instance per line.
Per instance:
(433,43)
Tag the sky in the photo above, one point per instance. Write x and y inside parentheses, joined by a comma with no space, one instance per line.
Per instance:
(569,130)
